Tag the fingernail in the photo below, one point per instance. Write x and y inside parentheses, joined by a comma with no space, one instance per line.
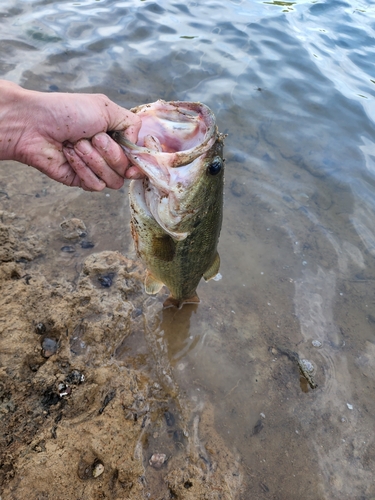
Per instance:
(83,147)
(101,140)
(68,150)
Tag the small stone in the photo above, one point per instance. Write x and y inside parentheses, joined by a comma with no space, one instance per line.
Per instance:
(73,228)
(316,343)
(49,347)
(63,390)
(169,418)
(106,280)
(87,244)
(350,407)
(40,328)
(75,377)
(308,366)
(178,436)
(157,460)
(98,469)
(68,249)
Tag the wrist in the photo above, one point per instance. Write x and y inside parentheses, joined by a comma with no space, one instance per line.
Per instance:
(13,118)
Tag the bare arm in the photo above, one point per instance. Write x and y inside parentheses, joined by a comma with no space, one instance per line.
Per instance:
(64,136)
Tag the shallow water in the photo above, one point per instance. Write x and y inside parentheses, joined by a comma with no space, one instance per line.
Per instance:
(292,84)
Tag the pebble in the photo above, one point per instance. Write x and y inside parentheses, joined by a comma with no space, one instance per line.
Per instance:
(308,366)
(157,460)
(75,377)
(73,228)
(68,249)
(106,280)
(350,407)
(40,328)
(178,436)
(63,390)
(316,343)
(169,418)
(87,244)
(49,347)
(98,469)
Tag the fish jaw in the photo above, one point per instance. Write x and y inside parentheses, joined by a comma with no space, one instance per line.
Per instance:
(171,152)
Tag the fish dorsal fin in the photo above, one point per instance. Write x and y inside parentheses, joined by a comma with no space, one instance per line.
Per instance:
(212,271)
(152,285)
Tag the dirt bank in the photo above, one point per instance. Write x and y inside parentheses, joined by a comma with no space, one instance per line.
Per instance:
(79,417)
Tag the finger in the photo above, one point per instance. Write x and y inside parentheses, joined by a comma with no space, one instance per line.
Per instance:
(133,173)
(89,181)
(95,161)
(112,152)
(122,119)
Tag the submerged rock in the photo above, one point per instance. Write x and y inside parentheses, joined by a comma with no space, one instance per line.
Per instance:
(158,460)
(73,228)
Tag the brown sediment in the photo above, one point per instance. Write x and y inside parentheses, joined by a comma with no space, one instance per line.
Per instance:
(83,422)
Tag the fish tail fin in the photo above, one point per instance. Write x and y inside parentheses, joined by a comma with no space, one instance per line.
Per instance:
(172,302)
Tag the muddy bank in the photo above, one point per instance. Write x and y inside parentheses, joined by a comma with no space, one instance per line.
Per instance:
(79,417)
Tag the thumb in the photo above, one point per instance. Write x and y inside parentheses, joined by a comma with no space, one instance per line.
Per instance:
(122,119)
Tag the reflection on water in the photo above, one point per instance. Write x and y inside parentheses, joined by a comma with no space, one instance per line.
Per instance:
(292,83)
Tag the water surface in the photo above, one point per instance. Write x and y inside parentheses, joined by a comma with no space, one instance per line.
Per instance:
(292,84)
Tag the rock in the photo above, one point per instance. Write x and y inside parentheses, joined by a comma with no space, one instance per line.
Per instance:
(87,244)
(98,469)
(73,228)
(49,347)
(68,249)
(169,418)
(40,328)
(157,460)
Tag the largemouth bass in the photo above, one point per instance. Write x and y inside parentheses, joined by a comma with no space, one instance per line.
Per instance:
(176,210)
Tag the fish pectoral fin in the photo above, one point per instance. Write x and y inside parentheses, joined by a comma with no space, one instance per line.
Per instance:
(163,247)
(212,271)
(172,302)
(152,285)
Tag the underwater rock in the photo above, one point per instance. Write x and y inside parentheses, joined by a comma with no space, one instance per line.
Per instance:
(87,244)
(73,228)
(157,460)
(68,249)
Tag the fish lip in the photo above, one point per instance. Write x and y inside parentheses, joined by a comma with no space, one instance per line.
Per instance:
(178,158)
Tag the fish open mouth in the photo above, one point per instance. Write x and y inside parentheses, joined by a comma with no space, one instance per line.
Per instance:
(171,148)
(178,126)
(172,134)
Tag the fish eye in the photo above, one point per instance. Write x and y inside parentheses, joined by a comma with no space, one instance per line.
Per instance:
(215,166)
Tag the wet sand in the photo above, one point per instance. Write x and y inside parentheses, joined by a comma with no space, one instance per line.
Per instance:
(76,420)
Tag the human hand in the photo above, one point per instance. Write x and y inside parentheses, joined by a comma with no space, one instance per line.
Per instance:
(64,136)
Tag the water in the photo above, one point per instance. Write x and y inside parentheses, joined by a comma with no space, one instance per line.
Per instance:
(292,84)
